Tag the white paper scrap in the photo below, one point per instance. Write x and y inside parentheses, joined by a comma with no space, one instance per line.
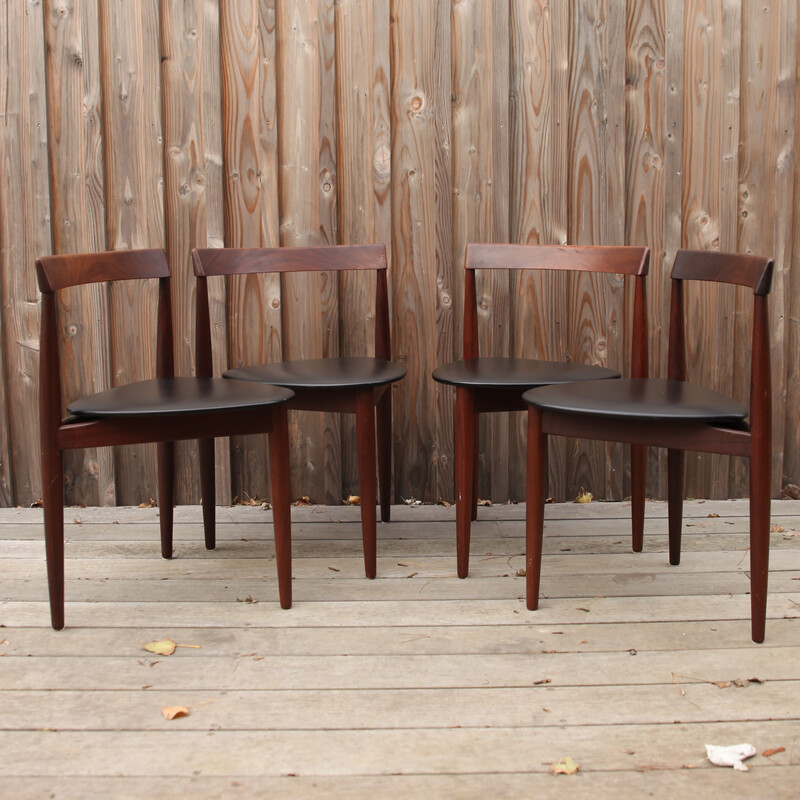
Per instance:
(731,756)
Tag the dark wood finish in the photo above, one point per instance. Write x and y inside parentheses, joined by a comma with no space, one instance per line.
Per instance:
(359,385)
(673,414)
(491,384)
(161,410)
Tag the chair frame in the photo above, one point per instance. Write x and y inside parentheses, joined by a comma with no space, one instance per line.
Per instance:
(472,401)
(369,404)
(752,440)
(60,433)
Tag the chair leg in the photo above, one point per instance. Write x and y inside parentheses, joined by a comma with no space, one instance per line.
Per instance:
(53,508)
(760,479)
(208,491)
(638,486)
(535,494)
(384,433)
(675,468)
(365,442)
(281,502)
(166,493)
(465,461)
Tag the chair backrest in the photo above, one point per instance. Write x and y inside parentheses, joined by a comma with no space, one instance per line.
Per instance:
(248,261)
(58,272)
(621,260)
(752,272)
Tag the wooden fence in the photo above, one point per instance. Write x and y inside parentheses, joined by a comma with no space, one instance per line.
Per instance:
(423,124)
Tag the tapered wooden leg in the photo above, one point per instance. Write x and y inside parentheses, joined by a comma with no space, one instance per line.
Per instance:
(476,437)
(535,494)
(465,459)
(638,485)
(208,491)
(384,433)
(675,468)
(365,442)
(281,502)
(760,478)
(166,493)
(53,507)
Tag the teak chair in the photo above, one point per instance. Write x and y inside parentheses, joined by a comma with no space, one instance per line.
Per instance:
(489,384)
(674,414)
(356,384)
(163,410)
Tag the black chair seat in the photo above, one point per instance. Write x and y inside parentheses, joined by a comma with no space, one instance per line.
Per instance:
(162,396)
(322,373)
(516,373)
(651,399)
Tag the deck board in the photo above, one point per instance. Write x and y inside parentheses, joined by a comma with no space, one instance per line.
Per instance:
(416,683)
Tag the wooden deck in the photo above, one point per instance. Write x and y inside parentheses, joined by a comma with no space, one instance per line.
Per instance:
(415,685)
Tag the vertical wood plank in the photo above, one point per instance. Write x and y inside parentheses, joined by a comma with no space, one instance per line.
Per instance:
(646,142)
(596,185)
(791,456)
(421,258)
(130,39)
(355,73)
(248,312)
(329,234)
(299,136)
(185,193)
(539,79)
(711,87)
(480,203)
(212,129)
(76,175)
(765,192)
(24,235)
(443,230)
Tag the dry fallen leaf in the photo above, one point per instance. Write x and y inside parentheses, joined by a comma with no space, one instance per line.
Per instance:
(305,500)
(778,529)
(713,515)
(584,497)
(163,647)
(521,572)
(566,766)
(772,751)
(151,503)
(353,500)
(444,503)
(173,712)
(166,647)
(484,502)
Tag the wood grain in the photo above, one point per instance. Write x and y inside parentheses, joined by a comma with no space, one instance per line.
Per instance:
(212,131)
(480,53)
(596,187)
(133,156)
(421,126)
(422,296)
(25,231)
(75,140)
(182,33)
(791,461)
(355,76)
(710,75)
(306,297)
(248,309)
